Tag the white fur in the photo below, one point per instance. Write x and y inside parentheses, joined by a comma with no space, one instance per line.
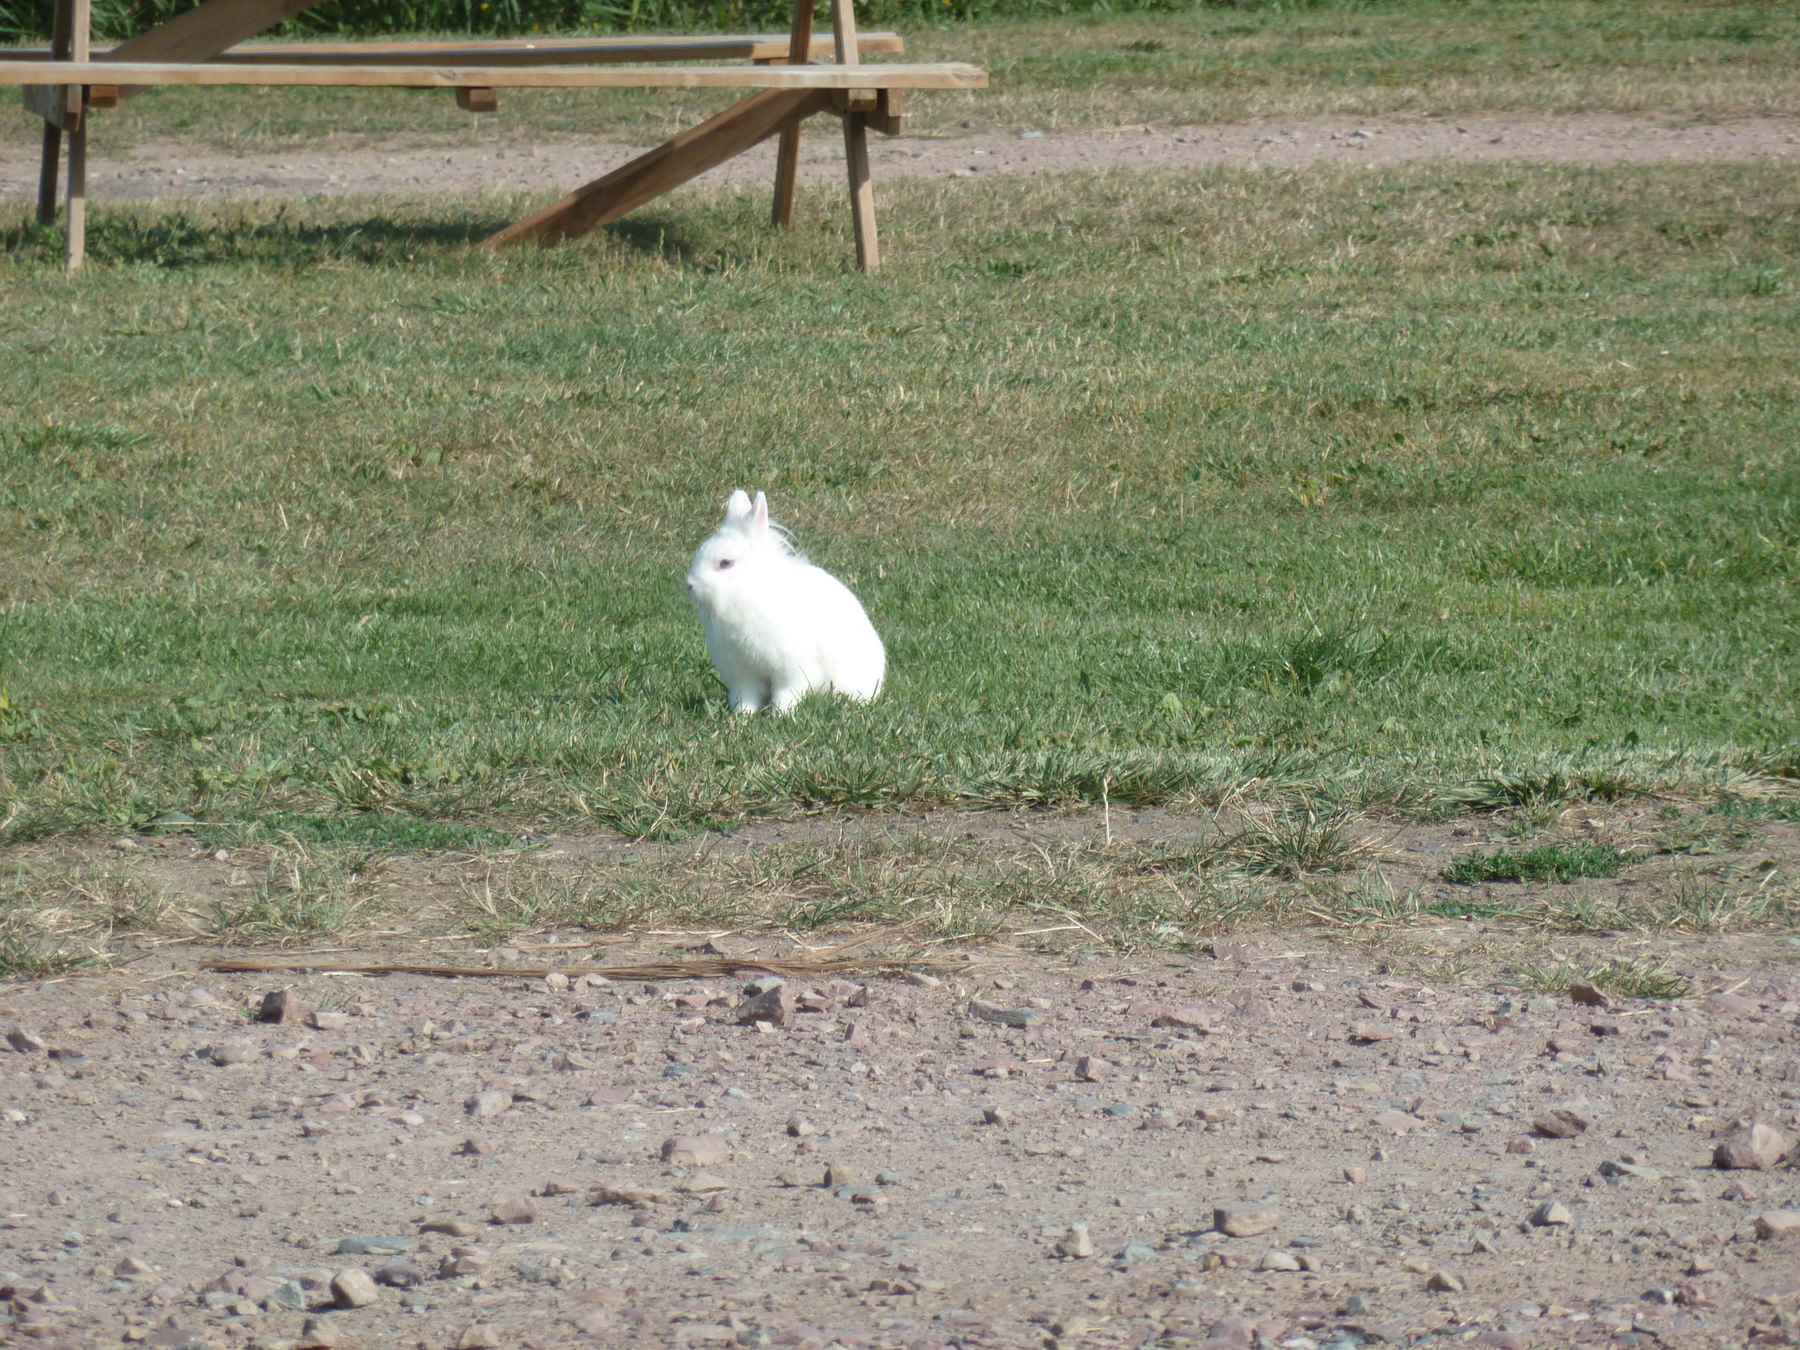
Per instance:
(778,627)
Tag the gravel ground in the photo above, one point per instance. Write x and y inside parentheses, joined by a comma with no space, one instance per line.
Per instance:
(1276,1142)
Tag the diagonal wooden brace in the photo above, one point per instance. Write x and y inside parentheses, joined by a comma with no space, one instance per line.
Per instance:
(667,167)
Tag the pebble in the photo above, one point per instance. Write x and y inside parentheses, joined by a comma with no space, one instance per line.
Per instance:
(516,1209)
(1560,1124)
(373,1246)
(479,1336)
(1551,1214)
(696,1150)
(451,1227)
(317,1333)
(399,1274)
(1278,1261)
(1018,1018)
(773,1005)
(1756,1146)
(353,1289)
(1443,1282)
(280,1005)
(1246,1221)
(1091,1068)
(996,1115)
(486,1105)
(1778,1223)
(25,1042)
(1076,1244)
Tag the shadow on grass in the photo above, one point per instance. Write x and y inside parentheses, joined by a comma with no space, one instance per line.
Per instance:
(179,240)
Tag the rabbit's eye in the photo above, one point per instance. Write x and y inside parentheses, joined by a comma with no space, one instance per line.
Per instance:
(725,563)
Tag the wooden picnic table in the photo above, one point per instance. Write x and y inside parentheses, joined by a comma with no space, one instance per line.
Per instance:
(788,78)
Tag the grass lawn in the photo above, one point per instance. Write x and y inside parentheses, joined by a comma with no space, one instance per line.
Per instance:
(1206,63)
(1423,490)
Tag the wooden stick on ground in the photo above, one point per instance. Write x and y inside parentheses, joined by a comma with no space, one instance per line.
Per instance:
(692,969)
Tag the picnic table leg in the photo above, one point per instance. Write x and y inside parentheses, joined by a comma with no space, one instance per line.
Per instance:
(76,216)
(742,125)
(52,153)
(787,152)
(862,191)
(856,141)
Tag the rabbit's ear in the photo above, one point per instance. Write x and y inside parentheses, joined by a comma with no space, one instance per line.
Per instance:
(760,522)
(737,506)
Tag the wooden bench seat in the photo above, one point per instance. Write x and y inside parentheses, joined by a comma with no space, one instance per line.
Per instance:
(785,80)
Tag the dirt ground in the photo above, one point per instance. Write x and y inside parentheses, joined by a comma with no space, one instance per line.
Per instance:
(509,157)
(1286,1139)
(1281,1139)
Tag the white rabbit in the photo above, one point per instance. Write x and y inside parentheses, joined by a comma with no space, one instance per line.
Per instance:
(777,627)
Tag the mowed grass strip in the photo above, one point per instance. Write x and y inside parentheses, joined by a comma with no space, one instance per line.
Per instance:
(1434,488)
(1206,63)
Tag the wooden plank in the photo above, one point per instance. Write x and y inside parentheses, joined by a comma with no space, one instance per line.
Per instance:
(523,51)
(750,47)
(136,74)
(889,116)
(843,31)
(862,192)
(671,164)
(801,45)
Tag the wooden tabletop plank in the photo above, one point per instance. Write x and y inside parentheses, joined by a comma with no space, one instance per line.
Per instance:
(897,75)
(519,51)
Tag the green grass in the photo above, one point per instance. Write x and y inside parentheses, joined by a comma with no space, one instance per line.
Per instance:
(1196,64)
(1435,488)
(1548,862)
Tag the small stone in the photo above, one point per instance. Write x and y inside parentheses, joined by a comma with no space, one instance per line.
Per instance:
(1355,1176)
(773,1005)
(1560,1124)
(516,1209)
(1188,1018)
(1369,1033)
(1278,1261)
(1076,1244)
(327,1021)
(1756,1146)
(280,1005)
(353,1289)
(1778,1223)
(1551,1214)
(1520,1146)
(399,1275)
(799,1127)
(317,1333)
(996,1115)
(372,1246)
(1443,1282)
(229,1054)
(25,1042)
(479,1336)
(696,1150)
(1588,996)
(983,1011)
(841,1174)
(1246,1220)
(1091,1068)
(486,1105)
(451,1227)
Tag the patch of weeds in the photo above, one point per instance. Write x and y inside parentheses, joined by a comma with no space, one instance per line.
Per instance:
(1624,979)
(1550,862)
(304,894)
(1759,808)
(1296,843)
